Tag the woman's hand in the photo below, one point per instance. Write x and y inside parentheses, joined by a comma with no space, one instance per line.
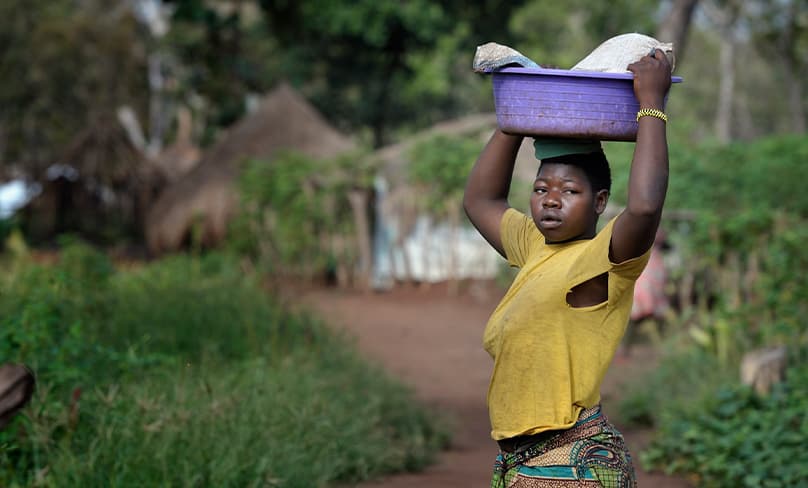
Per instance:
(652,79)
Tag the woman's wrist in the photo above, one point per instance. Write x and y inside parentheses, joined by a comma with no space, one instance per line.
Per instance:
(658,104)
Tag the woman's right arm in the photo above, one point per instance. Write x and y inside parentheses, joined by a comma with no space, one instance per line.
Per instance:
(486,198)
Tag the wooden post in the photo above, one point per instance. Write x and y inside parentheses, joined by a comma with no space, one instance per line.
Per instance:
(358,198)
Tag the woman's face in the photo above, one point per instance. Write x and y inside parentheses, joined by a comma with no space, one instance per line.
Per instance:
(563,205)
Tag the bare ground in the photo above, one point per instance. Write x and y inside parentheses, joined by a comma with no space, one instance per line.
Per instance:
(431,340)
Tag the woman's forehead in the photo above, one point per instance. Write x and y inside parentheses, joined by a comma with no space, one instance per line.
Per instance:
(561,171)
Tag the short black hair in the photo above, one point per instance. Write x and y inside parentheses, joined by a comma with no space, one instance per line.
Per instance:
(594,165)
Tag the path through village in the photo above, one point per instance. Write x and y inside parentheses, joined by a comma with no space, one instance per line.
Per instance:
(432,341)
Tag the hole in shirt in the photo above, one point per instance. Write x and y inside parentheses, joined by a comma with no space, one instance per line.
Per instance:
(589,293)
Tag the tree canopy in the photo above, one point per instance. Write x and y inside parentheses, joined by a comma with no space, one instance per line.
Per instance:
(377,70)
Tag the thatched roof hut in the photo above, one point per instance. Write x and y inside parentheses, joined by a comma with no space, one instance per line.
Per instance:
(410,252)
(207,197)
(101,187)
(394,160)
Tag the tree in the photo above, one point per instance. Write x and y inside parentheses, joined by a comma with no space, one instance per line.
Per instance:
(563,36)
(725,15)
(222,53)
(65,69)
(371,64)
(781,31)
(676,24)
(62,69)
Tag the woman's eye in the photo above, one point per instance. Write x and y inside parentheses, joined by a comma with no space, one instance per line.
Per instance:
(539,190)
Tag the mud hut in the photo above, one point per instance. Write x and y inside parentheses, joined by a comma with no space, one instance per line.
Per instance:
(101,187)
(207,196)
(410,245)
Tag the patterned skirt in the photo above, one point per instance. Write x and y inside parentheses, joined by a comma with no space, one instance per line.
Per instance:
(590,454)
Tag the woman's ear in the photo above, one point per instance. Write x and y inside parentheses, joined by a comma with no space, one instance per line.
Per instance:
(601,199)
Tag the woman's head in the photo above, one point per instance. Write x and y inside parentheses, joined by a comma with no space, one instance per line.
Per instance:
(569,194)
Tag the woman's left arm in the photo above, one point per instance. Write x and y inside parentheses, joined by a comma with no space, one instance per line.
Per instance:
(635,228)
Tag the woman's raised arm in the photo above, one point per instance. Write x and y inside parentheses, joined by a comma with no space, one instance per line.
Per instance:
(635,228)
(486,196)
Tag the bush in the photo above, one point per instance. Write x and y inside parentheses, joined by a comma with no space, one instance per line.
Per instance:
(736,438)
(295,216)
(675,385)
(185,373)
(745,249)
(440,166)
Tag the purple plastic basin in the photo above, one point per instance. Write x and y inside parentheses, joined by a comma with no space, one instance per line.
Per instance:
(564,103)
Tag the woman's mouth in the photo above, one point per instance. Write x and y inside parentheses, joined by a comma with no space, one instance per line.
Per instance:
(550,222)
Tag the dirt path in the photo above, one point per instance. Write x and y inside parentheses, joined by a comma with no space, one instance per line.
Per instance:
(432,341)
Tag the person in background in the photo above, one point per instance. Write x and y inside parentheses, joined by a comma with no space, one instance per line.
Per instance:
(650,300)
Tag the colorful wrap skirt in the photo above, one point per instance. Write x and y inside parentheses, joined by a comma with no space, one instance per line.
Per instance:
(591,453)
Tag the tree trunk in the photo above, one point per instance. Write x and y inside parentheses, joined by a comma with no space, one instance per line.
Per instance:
(745,122)
(157,110)
(725,17)
(359,200)
(676,24)
(798,121)
(790,62)
(128,119)
(726,91)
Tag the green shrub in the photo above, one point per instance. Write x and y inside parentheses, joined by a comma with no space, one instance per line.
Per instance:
(736,438)
(185,372)
(295,216)
(682,377)
(745,248)
(440,165)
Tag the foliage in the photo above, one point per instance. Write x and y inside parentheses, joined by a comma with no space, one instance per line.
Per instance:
(381,65)
(742,242)
(47,100)
(295,212)
(736,438)
(42,322)
(441,165)
(561,37)
(684,375)
(7,227)
(380,70)
(741,176)
(744,245)
(218,57)
(282,200)
(748,225)
(184,372)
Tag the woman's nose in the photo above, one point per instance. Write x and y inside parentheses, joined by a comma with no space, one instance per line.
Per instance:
(550,200)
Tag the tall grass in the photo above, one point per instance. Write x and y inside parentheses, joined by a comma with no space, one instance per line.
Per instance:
(185,373)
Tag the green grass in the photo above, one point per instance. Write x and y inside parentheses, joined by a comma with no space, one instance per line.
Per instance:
(188,374)
(296,423)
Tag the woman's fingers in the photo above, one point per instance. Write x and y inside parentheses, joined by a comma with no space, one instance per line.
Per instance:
(650,59)
(660,56)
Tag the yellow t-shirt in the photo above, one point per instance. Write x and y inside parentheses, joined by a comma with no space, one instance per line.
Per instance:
(550,358)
